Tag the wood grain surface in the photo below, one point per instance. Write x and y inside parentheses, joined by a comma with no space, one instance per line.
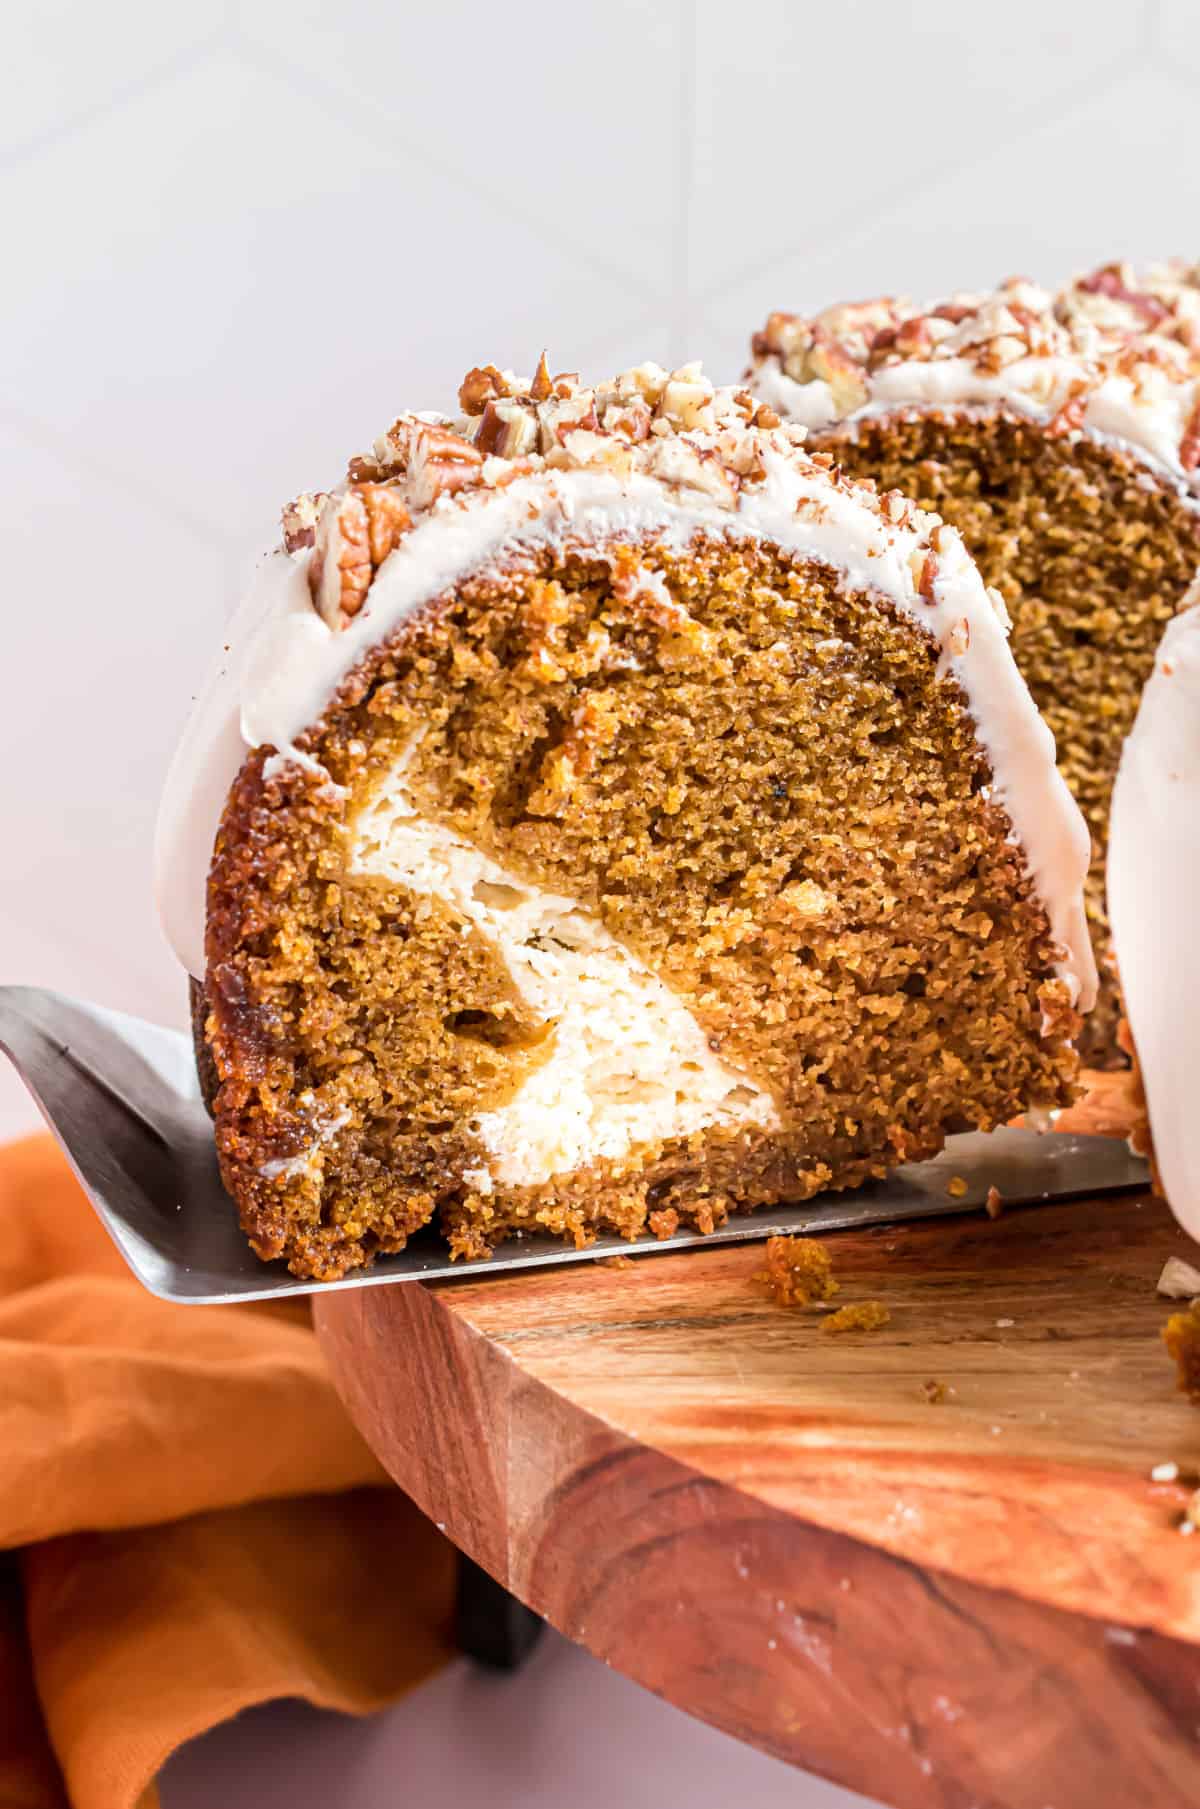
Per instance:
(985,1601)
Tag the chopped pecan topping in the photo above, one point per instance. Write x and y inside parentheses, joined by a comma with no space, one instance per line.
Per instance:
(954,312)
(365,470)
(1110,280)
(774,336)
(1114,321)
(390,454)
(1189,451)
(827,360)
(508,430)
(1068,418)
(674,427)
(924,569)
(912,338)
(631,419)
(687,402)
(480,386)
(542,386)
(300,521)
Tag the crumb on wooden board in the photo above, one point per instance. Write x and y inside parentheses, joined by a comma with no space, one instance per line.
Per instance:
(798,1272)
(864,1316)
(1181,1335)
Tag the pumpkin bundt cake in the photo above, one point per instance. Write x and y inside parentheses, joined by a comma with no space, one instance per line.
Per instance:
(607,817)
(1061,435)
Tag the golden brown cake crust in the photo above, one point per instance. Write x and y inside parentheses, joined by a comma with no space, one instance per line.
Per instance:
(206,1068)
(1092,556)
(813,867)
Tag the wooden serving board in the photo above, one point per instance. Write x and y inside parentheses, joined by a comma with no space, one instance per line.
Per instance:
(983,1602)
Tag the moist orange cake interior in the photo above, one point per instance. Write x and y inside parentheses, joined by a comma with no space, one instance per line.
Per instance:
(1092,561)
(748,791)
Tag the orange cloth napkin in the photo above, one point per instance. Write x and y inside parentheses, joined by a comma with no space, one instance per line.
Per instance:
(188,1521)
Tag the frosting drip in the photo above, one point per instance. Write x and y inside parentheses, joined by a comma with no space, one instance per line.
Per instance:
(1153,882)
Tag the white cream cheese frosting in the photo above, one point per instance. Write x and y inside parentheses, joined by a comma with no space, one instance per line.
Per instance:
(1113,356)
(628,1065)
(1153,886)
(1112,413)
(284,662)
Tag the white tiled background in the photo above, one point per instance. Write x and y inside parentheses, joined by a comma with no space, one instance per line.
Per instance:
(239,237)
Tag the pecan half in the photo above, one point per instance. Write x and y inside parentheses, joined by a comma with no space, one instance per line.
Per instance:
(388,521)
(340,574)
(441,463)
(354,534)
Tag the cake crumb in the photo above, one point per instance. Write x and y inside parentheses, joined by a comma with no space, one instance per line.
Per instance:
(1179,1280)
(664,1223)
(1002,1325)
(994,1204)
(616,1262)
(956,1187)
(799,1271)
(1168,1472)
(1181,1335)
(866,1316)
(936,1392)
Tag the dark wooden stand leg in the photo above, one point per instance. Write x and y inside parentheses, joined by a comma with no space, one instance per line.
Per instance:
(491,1626)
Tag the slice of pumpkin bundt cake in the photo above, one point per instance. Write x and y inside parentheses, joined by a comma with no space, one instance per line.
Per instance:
(606,817)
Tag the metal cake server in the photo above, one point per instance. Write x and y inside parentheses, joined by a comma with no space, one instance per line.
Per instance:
(122,1098)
